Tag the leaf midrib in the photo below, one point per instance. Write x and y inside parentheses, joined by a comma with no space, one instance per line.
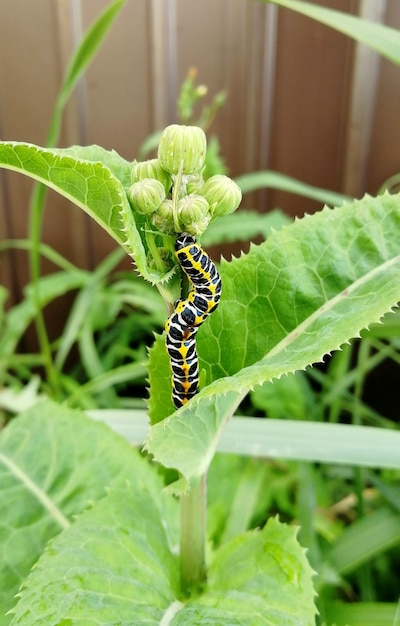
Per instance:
(39,494)
(330,305)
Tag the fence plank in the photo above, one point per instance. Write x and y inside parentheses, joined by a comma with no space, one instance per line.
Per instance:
(362,100)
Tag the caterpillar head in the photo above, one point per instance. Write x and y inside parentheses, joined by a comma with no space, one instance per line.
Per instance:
(183,241)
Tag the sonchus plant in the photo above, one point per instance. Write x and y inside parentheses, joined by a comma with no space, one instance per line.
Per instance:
(289,301)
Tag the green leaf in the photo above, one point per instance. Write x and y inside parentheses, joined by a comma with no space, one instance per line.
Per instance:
(89,46)
(15,401)
(113,566)
(288,397)
(236,487)
(261,577)
(303,293)
(267,179)
(83,305)
(361,446)
(160,402)
(82,56)
(243,226)
(53,462)
(364,539)
(363,613)
(119,167)
(379,37)
(91,185)
(21,315)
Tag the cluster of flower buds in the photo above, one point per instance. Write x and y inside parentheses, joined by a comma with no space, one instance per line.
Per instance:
(171,189)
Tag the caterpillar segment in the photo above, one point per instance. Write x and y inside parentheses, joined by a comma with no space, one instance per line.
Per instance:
(189,314)
(184,365)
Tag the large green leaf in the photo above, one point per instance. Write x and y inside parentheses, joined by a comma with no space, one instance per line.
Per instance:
(303,293)
(115,566)
(93,179)
(379,37)
(259,578)
(114,559)
(53,463)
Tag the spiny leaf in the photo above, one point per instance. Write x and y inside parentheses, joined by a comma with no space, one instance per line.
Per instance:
(113,566)
(306,291)
(95,183)
(53,462)
(259,578)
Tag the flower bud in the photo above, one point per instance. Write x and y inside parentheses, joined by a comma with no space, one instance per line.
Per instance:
(194,183)
(163,218)
(185,145)
(146,195)
(222,194)
(151,169)
(194,214)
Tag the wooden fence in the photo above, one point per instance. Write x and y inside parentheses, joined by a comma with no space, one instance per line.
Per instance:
(302,99)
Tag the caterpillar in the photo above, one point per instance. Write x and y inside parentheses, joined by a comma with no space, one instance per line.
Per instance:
(189,313)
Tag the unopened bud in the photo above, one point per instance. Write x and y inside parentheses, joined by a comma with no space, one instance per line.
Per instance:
(194,183)
(222,194)
(182,146)
(163,218)
(194,214)
(151,169)
(146,195)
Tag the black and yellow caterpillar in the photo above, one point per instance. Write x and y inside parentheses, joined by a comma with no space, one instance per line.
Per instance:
(182,326)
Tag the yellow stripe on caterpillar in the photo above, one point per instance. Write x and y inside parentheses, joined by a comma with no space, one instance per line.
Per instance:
(189,314)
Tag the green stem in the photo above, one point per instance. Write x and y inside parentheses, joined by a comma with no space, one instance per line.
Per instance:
(35,228)
(364,573)
(155,252)
(193,537)
(175,197)
(362,359)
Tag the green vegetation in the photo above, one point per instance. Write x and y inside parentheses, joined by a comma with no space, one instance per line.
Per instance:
(303,506)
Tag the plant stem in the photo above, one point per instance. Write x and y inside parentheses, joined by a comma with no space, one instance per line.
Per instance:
(36,210)
(364,574)
(176,190)
(193,537)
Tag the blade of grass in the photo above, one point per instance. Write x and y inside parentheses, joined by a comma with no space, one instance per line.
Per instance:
(247,494)
(364,539)
(275,180)
(124,373)
(84,53)
(379,37)
(301,441)
(46,251)
(83,304)
(362,614)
